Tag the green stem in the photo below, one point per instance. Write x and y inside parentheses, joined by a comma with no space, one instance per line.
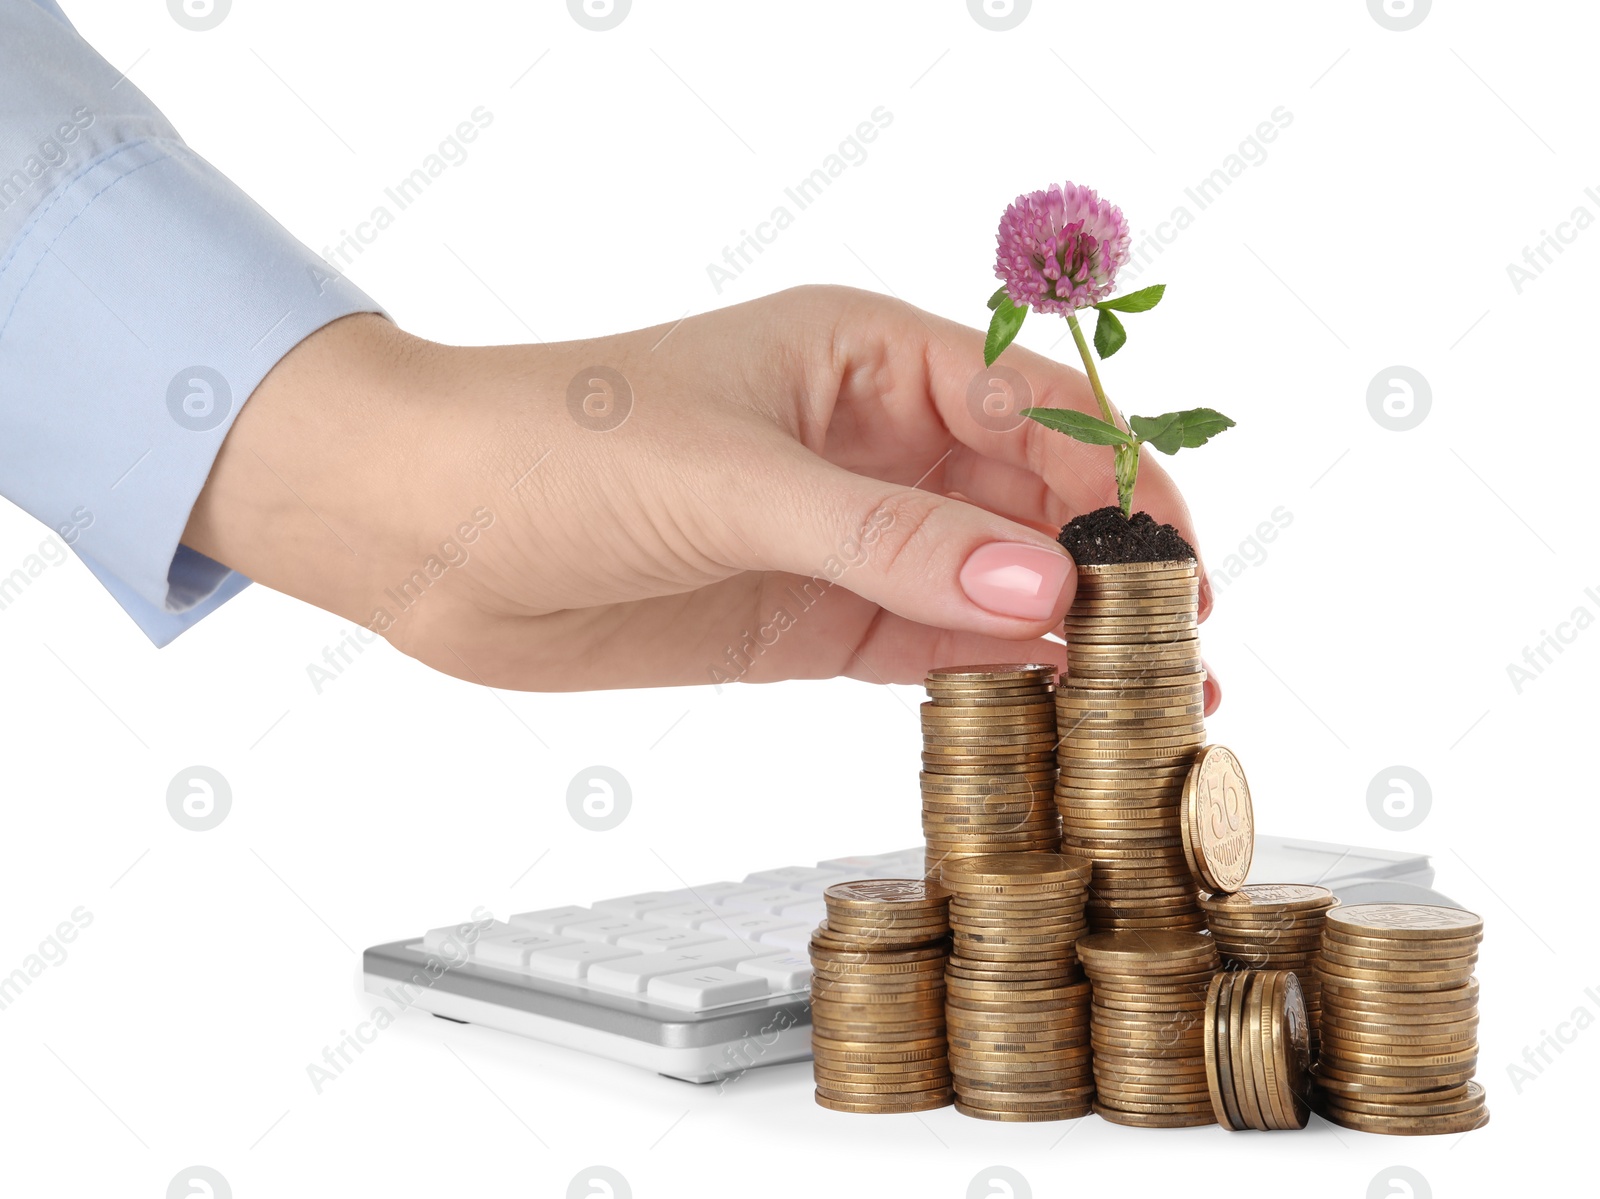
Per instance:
(1089,369)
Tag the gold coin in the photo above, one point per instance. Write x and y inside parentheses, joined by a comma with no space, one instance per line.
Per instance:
(865,1087)
(1419,969)
(1065,1111)
(1218,823)
(1404,921)
(1114,950)
(1441,1103)
(883,960)
(1016,871)
(1399,951)
(923,1103)
(1270,898)
(1228,1082)
(1432,1125)
(993,672)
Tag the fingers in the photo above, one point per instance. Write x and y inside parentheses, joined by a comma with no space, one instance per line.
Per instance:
(928,558)
(1003,460)
(902,651)
(1213,690)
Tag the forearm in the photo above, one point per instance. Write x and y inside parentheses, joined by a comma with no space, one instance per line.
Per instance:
(309,493)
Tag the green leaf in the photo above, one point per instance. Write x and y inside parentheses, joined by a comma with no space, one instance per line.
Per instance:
(1142,300)
(1003,327)
(997,297)
(1086,428)
(1108,334)
(1175,431)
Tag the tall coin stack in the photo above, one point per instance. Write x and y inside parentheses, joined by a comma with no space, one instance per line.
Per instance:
(877,997)
(1147,1026)
(988,762)
(1400,1019)
(1130,715)
(1018,1018)
(1274,926)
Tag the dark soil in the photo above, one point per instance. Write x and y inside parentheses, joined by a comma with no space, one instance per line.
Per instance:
(1105,535)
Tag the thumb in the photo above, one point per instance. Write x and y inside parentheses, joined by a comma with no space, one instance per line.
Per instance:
(931,559)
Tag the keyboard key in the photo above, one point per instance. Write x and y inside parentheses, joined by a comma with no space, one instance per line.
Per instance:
(901,863)
(684,915)
(750,926)
(796,876)
(571,962)
(808,911)
(552,920)
(861,865)
(770,900)
(609,929)
(638,905)
(632,974)
(628,905)
(459,939)
(713,892)
(785,973)
(794,937)
(711,986)
(512,952)
(666,938)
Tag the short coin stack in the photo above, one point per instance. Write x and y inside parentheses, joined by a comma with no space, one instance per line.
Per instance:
(1258,1052)
(1018,1018)
(1130,715)
(1274,926)
(877,997)
(1400,1019)
(988,762)
(1147,1026)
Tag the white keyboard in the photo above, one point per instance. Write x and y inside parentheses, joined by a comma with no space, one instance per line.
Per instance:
(705,982)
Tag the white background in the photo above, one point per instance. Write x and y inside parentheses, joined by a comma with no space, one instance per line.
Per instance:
(1376,630)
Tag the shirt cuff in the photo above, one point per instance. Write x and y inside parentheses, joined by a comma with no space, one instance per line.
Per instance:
(139,309)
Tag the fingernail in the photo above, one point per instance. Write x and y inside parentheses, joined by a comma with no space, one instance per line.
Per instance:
(1213,691)
(1010,578)
(1206,597)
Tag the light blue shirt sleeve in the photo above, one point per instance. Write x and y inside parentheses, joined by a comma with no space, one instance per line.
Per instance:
(142,299)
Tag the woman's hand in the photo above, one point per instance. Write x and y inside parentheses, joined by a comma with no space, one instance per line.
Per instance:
(816,483)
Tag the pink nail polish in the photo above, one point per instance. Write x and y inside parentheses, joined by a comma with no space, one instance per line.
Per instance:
(1213,690)
(1010,578)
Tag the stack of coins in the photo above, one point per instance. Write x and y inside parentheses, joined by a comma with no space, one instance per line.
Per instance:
(1147,1026)
(1400,1019)
(1130,715)
(988,762)
(1258,1052)
(1274,926)
(1018,1018)
(877,997)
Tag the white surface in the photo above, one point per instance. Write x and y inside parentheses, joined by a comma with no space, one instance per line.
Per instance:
(395,798)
